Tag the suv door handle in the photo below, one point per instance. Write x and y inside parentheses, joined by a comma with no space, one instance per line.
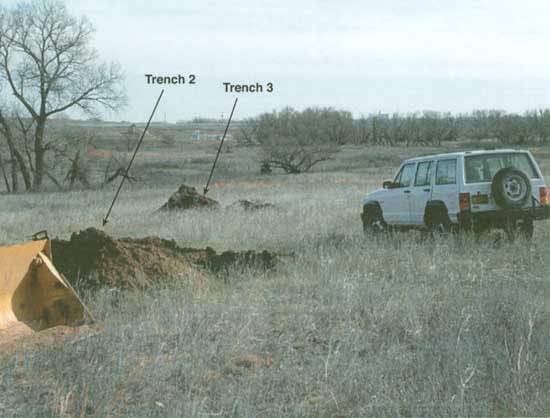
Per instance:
(427,190)
(406,191)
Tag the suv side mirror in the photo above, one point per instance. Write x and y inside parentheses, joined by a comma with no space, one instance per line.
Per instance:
(388,184)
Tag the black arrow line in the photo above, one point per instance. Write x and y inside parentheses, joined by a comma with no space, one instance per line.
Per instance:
(125,176)
(205,190)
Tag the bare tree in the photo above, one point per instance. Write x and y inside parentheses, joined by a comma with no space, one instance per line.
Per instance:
(338,124)
(132,136)
(361,133)
(396,130)
(77,172)
(48,64)
(18,165)
(246,135)
(293,158)
(436,128)
(539,125)
(4,174)
(6,132)
(377,129)
(294,141)
(70,149)
(115,168)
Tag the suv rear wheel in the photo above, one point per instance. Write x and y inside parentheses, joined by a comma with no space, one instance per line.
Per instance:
(526,228)
(437,221)
(373,221)
(520,228)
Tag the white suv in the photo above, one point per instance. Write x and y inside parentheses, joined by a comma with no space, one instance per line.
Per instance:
(476,190)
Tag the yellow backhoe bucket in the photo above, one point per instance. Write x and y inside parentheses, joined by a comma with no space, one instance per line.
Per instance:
(33,295)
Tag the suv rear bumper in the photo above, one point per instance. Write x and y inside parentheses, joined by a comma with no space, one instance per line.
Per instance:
(468,218)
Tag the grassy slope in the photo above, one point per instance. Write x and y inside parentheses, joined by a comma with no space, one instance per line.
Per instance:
(349,326)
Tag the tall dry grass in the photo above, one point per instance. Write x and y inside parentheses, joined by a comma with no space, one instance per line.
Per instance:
(348,326)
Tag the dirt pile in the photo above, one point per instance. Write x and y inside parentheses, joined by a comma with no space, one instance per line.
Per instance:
(252,206)
(95,259)
(187,197)
(103,261)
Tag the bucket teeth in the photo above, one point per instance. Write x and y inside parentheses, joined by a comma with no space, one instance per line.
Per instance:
(37,262)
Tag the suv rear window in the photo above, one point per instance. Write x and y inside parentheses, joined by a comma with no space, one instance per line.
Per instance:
(482,168)
(445,172)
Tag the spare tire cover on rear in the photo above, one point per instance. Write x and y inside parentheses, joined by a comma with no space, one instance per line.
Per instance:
(511,188)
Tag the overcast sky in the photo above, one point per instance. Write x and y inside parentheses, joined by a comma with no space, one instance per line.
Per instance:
(363,56)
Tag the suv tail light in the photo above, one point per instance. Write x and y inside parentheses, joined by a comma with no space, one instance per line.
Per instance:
(543,196)
(464,201)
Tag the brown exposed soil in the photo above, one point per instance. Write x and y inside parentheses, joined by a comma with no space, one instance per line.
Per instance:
(187,197)
(252,206)
(95,259)
(209,259)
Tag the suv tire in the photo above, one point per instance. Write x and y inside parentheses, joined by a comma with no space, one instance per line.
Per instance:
(438,221)
(511,188)
(520,228)
(373,221)
(526,228)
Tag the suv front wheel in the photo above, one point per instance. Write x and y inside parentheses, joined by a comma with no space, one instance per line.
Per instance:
(373,221)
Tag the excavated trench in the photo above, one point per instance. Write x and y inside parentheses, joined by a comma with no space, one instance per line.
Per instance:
(93,259)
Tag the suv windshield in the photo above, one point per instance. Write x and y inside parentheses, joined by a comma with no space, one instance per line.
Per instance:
(405,176)
(482,168)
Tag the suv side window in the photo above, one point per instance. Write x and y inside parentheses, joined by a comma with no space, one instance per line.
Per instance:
(446,172)
(424,174)
(405,176)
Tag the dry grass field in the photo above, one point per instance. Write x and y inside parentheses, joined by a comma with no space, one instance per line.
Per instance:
(345,325)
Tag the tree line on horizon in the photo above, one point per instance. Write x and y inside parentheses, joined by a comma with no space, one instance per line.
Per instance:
(295,141)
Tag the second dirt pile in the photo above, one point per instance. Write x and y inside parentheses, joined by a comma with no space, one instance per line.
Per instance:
(187,197)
